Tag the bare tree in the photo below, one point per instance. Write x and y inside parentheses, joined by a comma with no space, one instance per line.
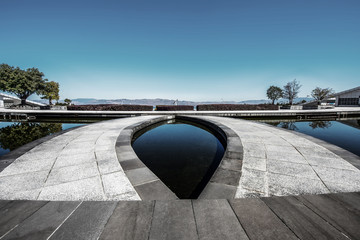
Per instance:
(291,90)
(321,93)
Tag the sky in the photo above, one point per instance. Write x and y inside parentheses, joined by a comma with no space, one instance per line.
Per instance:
(195,50)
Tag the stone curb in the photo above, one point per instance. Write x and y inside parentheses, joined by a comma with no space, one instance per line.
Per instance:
(223,183)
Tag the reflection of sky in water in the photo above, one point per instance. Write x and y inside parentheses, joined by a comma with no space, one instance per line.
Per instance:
(64,126)
(345,134)
(181,155)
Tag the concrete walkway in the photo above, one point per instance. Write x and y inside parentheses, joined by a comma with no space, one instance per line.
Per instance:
(77,165)
(279,163)
(82,165)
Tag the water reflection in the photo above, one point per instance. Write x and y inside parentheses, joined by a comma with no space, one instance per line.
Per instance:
(320,124)
(182,154)
(343,133)
(291,125)
(18,134)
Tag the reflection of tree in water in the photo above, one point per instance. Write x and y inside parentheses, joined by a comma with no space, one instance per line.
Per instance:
(320,124)
(18,134)
(288,125)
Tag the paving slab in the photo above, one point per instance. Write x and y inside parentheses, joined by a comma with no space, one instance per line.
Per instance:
(72,173)
(259,221)
(215,219)
(116,184)
(43,222)
(86,222)
(84,190)
(173,220)
(338,215)
(130,220)
(305,223)
(12,213)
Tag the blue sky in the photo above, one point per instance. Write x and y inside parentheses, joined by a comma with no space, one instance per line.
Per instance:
(188,50)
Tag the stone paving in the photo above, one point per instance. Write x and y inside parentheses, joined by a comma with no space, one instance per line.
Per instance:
(82,165)
(77,165)
(278,163)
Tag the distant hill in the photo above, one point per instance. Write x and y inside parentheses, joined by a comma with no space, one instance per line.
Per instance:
(160,101)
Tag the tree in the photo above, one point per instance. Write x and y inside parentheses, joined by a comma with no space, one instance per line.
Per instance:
(22,83)
(67,101)
(50,91)
(274,93)
(321,93)
(291,90)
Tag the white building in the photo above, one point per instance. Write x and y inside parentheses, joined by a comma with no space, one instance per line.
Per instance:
(348,98)
(8,100)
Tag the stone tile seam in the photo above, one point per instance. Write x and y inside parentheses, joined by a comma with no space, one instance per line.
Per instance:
(241,225)
(250,189)
(281,219)
(45,203)
(327,188)
(196,225)
(318,141)
(143,183)
(64,221)
(47,177)
(304,203)
(1,237)
(314,171)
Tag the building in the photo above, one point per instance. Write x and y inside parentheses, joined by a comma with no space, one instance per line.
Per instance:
(348,98)
(8,100)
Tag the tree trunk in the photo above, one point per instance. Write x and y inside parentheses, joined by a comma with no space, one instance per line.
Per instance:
(23,101)
(50,103)
(273,101)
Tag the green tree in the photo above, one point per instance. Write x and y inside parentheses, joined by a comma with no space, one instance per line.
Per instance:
(321,93)
(22,83)
(291,90)
(50,91)
(274,93)
(67,101)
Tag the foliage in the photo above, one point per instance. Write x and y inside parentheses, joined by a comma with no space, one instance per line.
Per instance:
(320,124)
(67,101)
(291,90)
(18,134)
(274,93)
(321,93)
(174,108)
(50,91)
(110,107)
(235,107)
(22,83)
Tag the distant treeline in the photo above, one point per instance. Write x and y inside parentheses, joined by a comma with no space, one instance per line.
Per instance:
(202,107)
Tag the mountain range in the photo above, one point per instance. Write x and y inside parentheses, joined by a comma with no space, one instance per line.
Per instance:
(160,101)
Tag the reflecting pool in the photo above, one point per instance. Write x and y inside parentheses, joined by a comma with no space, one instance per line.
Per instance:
(182,154)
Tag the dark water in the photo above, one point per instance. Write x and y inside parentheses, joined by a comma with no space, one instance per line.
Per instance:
(183,155)
(345,134)
(16,134)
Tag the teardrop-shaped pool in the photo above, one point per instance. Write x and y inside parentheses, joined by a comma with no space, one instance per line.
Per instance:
(183,154)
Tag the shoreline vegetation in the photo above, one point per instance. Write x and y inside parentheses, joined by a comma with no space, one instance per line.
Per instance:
(202,107)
